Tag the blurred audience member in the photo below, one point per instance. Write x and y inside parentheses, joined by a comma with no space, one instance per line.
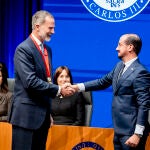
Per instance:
(67,110)
(5,95)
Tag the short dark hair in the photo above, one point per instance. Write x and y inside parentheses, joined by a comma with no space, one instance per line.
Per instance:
(136,41)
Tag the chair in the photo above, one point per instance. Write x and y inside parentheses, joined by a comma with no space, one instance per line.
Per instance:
(11,82)
(88,107)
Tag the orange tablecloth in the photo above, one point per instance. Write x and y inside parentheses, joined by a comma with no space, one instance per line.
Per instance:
(68,138)
(5,136)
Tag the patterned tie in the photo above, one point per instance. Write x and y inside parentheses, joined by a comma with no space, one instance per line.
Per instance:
(121,71)
(42,48)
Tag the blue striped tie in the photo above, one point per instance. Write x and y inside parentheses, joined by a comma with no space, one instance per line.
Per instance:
(121,71)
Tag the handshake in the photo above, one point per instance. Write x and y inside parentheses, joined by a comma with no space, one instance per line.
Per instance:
(68,89)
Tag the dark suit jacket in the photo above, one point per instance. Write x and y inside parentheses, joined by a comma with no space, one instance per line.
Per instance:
(32,92)
(131,99)
(68,110)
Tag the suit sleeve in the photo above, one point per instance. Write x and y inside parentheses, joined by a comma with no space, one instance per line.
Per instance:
(142,92)
(31,74)
(99,84)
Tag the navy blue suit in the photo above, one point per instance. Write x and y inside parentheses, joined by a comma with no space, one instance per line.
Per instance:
(131,97)
(32,92)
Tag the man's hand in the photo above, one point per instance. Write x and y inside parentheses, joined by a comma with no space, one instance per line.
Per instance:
(67,90)
(75,87)
(133,141)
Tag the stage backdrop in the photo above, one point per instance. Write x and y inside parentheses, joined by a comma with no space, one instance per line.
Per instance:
(87,45)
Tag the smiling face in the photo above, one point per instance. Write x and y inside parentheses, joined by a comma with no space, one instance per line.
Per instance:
(46,29)
(63,78)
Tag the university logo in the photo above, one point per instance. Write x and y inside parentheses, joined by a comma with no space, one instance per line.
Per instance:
(115,10)
(88,144)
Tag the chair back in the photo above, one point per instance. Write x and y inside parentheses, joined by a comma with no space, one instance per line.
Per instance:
(11,82)
(88,107)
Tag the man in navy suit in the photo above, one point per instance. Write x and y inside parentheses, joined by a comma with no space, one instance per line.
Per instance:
(131,90)
(30,111)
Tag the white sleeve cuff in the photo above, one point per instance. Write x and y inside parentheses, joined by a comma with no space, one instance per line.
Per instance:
(59,89)
(81,87)
(139,129)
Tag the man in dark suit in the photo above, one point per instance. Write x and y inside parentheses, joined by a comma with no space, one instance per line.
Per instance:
(131,90)
(30,111)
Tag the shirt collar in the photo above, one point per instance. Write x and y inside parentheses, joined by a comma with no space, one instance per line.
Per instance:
(127,64)
(36,39)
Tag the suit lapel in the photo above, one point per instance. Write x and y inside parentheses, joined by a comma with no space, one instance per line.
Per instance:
(126,74)
(115,78)
(38,57)
(129,71)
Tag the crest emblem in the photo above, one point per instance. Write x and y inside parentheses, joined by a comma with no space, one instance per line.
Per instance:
(115,10)
(88,144)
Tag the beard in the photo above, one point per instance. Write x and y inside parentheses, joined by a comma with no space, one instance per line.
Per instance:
(45,37)
(120,57)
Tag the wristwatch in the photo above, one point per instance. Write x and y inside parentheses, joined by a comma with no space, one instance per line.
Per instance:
(139,135)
